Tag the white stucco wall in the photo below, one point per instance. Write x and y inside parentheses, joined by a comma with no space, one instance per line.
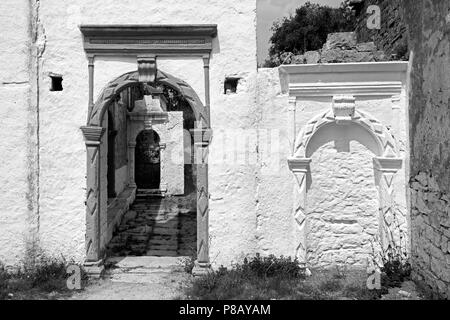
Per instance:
(275,182)
(16,130)
(62,113)
(250,184)
(121,179)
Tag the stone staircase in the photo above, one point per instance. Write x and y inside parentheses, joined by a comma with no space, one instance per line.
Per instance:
(155,226)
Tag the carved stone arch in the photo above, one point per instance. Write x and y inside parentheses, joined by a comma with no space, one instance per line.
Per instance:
(94,132)
(129,79)
(386,141)
(386,163)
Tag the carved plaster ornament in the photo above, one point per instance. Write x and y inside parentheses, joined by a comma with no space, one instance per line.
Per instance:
(344,108)
(147,69)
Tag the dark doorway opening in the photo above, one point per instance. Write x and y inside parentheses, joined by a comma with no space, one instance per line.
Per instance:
(148,160)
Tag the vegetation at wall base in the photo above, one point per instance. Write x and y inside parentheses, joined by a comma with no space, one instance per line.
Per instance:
(44,278)
(272,278)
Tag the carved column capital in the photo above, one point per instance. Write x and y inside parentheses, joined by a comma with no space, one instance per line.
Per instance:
(396,101)
(92,135)
(206,59)
(91,59)
(388,165)
(299,165)
(292,103)
(147,68)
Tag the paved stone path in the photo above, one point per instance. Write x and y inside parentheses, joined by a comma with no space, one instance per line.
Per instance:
(156,226)
(139,278)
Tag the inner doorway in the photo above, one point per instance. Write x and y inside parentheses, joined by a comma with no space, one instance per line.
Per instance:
(148,160)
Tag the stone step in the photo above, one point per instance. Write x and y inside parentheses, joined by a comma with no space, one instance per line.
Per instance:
(162,253)
(142,264)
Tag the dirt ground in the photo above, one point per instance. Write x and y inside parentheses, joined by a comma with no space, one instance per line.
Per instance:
(164,287)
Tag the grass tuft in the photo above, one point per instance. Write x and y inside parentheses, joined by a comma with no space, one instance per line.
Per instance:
(44,278)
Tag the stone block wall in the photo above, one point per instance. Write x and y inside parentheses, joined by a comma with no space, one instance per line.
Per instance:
(429,124)
(392,37)
(340,47)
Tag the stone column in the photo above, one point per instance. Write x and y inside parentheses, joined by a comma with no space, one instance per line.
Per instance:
(396,110)
(93,264)
(206,59)
(389,223)
(91,84)
(131,164)
(202,139)
(301,169)
(293,129)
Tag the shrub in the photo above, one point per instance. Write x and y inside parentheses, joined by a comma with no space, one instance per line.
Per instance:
(255,278)
(271,266)
(307,29)
(393,259)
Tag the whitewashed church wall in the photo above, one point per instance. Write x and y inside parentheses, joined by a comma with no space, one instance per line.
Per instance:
(17,133)
(62,113)
(121,179)
(274,218)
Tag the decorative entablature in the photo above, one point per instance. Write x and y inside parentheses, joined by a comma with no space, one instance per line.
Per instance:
(147,43)
(344,84)
(353,79)
(161,40)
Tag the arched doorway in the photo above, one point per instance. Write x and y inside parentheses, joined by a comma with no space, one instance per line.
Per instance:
(96,200)
(148,160)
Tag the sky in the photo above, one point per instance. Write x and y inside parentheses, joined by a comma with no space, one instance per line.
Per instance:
(269,11)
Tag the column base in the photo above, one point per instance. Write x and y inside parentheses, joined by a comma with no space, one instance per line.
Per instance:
(132,185)
(94,270)
(201,269)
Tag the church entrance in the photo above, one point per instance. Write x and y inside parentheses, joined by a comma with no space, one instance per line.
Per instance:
(148,160)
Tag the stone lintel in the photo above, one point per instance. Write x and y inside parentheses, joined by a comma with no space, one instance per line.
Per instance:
(299,165)
(388,165)
(92,134)
(154,117)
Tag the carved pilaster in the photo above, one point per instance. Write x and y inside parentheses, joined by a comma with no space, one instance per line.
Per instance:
(91,84)
(202,139)
(206,59)
(131,164)
(293,129)
(92,136)
(388,220)
(147,68)
(301,169)
(396,110)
